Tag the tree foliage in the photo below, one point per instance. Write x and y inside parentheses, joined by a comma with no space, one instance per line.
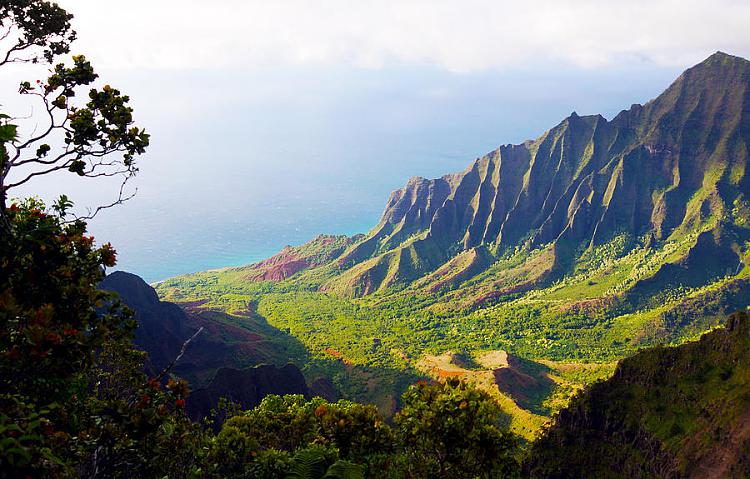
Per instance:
(33,31)
(53,317)
(73,398)
(452,430)
(445,430)
(290,424)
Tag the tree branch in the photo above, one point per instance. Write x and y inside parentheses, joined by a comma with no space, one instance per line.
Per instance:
(120,200)
(182,352)
(39,173)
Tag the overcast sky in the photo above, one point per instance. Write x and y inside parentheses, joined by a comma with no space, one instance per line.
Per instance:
(458,36)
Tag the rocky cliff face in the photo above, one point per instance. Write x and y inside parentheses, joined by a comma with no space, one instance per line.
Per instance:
(667,413)
(595,240)
(668,168)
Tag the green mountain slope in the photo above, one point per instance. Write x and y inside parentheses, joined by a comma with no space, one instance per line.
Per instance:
(667,412)
(667,169)
(596,239)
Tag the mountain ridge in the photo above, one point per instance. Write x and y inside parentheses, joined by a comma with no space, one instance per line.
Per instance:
(596,239)
(582,181)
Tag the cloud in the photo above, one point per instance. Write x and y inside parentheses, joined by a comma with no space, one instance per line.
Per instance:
(458,36)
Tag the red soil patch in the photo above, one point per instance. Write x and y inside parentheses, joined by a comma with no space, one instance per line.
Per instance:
(443,374)
(332,352)
(277,267)
(220,329)
(338,355)
(190,306)
(588,306)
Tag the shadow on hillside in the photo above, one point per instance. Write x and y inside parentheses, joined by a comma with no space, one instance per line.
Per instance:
(527,382)
(247,339)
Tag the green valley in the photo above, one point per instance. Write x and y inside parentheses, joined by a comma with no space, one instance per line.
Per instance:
(567,253)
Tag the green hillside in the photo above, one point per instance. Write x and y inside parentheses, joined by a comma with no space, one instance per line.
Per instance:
(666,412)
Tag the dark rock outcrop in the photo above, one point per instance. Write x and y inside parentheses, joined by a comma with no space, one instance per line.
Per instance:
(162,326)
(214,365)
(323,387)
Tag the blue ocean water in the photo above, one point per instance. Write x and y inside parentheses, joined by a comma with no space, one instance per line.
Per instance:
(243,163)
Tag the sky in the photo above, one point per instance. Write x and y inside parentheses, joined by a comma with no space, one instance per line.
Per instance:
(458,36)
(275,121)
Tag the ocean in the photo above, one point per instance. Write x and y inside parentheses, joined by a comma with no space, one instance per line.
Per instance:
(243,163)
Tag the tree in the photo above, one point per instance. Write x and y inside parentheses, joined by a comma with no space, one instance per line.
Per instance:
(74,401)
(53,318)
(37,31)
(445,430)
(288,433)
(94,139)
(452,430)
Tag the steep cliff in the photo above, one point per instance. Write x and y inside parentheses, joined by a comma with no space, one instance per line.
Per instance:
(162,326)
(597,239)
